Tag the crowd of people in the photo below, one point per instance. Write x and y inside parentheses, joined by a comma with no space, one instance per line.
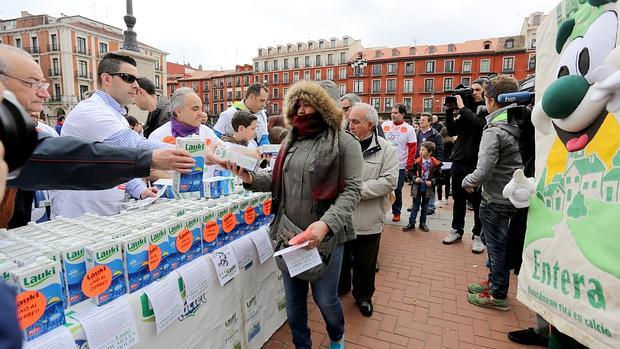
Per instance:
(339,172)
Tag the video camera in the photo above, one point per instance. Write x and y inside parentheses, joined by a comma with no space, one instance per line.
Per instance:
(17,132)
(464,92)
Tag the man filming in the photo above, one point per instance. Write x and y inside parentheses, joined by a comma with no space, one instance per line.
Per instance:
(463,121)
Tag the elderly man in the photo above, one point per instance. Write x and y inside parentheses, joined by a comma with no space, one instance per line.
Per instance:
(256,96)
(380,176)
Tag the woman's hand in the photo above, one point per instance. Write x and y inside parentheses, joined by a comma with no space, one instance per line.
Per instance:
(314,234)
(239,172)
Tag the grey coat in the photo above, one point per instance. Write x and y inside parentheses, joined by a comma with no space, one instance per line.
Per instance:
(498,157)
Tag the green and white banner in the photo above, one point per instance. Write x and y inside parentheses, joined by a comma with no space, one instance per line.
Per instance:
(571,258)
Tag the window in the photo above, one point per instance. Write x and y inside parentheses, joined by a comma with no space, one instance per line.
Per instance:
(295,76)
(215,108)
(275,64)
(330,59)
(321,44)
(389,103)
(317,61)
(486,45)
(81,45)
(157,82)
(509,44)
(465,81)
(343,89)
(276,79)
(229,81)
(246,80)
(255,78)
(485,65)
(447,84)
(284,91)
(466,67)
(54,42)
(317,75)
(307,75)
(533,43)
(376,70)
(18,42)
(214,83)
(376,86)
(307,61)
(205,98)
(229,95)
(310,46)
(509,64)
(83,90)
(343,57)
(531,62)
(35,44)
(432,50)
(255,66)
(430,66)
(275,94)
(395,52)
(358,86)
(408,86)
(428,105)
(237,80)
(279,49)
(266,78)
(390,86)
(376,103)
(57,92)
(268,51)
(83,69)
(407,102)
(55,67)
(391,69)
(260,53)
(409,68)
(285,78)
(103,47)
(296,62)
(265,66)
(275,109)
(451,48)
(428,85)
(238,95)
(330,74)
(285,64)
(300,47)
(412,51)
(345,41)
(342,73)
(448,66)
(205,86)
(195,86)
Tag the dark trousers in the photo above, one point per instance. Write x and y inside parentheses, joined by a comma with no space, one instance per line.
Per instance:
(360,257)
(516,238)
(445,183)
(495,220)
(460,196)
(398,192)
(420,201)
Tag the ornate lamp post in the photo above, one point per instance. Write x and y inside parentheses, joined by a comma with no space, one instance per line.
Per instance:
(130,43)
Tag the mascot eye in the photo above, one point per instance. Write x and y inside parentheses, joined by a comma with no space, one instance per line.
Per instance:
(563,71)
(583,62)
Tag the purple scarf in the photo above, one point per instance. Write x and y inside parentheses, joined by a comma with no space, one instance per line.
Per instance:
(180,129)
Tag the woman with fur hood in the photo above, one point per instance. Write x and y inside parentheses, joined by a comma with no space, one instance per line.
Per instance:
(315,186)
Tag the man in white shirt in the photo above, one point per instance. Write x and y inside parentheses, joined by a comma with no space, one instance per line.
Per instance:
(403,137)
(101,118)
(256,96)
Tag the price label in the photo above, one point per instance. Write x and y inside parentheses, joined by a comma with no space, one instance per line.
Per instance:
(184,240)
(249,215)
(267,207)
(96,280)
(229,221)
(210,231)
(154,257)
(30,307)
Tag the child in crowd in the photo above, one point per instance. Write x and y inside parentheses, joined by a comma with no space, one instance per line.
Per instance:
(244,125)
(425,171)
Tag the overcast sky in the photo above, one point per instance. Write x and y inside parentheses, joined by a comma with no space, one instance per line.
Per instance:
(222,33)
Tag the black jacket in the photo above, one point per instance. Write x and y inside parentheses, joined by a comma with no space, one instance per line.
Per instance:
(468,127)
(161,115)
(434,137)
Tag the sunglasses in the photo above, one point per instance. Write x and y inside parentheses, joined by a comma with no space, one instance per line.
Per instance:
(128,78)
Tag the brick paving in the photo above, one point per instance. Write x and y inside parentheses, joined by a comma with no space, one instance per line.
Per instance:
(420,299)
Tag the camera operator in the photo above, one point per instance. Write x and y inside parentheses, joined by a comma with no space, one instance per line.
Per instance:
(463,121)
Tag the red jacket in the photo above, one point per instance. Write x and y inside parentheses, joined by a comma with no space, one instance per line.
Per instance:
(417,173)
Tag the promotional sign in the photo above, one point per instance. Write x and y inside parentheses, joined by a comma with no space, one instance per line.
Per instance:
(571,258)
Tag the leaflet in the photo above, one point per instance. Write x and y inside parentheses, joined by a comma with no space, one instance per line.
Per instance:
(195,278)
(263,244)
(110,326)
(166,301)
(299,260)
(225,263)
(243,251)
(59,338)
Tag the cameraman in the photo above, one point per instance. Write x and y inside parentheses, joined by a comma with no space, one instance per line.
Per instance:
(463,121)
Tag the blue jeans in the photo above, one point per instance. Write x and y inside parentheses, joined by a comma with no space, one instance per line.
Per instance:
(417,202)
(431,203)
(398,192)
(325,294)
(495,219)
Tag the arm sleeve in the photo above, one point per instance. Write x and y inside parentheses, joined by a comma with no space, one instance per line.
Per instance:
(450,123)
(69,163)
(471,119)
(261,182)
(388,177)
(487,159)
(411,150)
(348,200)
(135,188)
(128,138)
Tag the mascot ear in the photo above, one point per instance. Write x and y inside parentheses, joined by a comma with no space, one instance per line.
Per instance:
(564,32)
(540,120)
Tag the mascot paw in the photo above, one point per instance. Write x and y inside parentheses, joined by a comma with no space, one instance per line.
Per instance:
(519,189)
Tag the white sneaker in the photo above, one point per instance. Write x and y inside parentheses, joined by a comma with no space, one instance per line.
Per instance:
(477,246)
(453,237)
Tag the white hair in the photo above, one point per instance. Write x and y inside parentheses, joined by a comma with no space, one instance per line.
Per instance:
(371,113)
(4,64)
(352,98)
(177,101)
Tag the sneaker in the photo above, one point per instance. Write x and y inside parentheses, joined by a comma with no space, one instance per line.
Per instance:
(453,237)
(430,212)
(528,337)
(424,227)
(337,345)
(477,246)
(486,300)
(479,287)
(396,218)
(408,227)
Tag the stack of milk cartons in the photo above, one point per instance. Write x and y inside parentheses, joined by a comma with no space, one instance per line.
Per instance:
(190,185)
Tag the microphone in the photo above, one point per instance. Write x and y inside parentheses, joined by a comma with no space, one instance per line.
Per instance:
(515,97)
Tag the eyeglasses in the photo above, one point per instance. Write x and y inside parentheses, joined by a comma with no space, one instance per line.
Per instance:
(346,108)
(128,78)
(35,85)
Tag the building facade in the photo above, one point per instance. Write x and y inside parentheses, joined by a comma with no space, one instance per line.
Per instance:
(69,49)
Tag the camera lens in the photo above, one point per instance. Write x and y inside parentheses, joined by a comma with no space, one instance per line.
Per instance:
(17,132)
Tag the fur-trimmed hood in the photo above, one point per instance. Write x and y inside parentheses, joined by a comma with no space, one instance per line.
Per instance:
(314,94)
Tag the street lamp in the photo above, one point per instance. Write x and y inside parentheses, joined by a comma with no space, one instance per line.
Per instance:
(358,66)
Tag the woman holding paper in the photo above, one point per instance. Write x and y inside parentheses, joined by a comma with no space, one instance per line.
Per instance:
(315,186)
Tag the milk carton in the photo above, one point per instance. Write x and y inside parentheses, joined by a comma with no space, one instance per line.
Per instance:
(74,269)
(136,258)
(223,217)
(5,269)
(193,223)
(212,187)
(109,254)
(158,236)
(177,258)
(247,162)
(190,184)
(43,277)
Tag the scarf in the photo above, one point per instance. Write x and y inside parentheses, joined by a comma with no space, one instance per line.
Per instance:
(231,139)
(328,179)
(180,129)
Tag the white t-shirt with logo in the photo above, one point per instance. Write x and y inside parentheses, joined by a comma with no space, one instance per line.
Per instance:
(400,136)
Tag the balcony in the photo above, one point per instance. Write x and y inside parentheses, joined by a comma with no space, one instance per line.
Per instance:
(53,48)
(81,51)
(32,50)
(375,91)
(508,70)
(54,100)
(54,72)
(84,75)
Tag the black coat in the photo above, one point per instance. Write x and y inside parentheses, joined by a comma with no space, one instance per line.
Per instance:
(468,127)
